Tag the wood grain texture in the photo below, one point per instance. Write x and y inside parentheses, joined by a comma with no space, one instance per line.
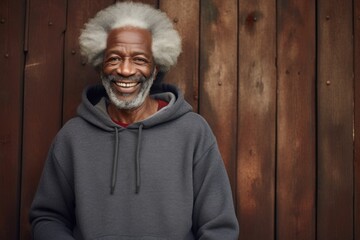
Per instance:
(256,119)
(185,75)
(335,120)
(42,94)
(283,101)
(77,73)
(218,75)
(296,124)
(154,3)
(11,80)
(357,118)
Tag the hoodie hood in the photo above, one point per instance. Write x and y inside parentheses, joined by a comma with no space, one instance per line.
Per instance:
(93,110)
(94,94)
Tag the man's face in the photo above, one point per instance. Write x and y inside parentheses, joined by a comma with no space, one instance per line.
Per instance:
(128,69)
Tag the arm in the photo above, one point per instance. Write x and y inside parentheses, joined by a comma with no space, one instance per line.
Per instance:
(52,211)
(214,215)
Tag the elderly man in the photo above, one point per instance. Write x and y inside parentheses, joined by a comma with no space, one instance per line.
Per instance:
(136,163)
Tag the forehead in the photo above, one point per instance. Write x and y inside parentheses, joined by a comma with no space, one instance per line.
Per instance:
(129,37)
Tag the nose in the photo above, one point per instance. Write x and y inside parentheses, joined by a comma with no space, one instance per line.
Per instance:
(126,68)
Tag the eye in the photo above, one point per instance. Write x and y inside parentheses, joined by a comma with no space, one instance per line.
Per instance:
(140,60)
(113,60)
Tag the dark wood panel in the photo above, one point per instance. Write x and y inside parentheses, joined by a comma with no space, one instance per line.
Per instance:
(218,75)
(154,3)
(296,156)
(229,77)
(357,117)
(256,120)
(335,120)
(77,73)
(42,94)
(11,65)
(185,74)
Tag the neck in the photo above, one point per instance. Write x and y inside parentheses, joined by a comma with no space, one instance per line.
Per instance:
(129,116)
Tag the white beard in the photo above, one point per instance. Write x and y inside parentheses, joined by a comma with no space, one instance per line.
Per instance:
(135,102)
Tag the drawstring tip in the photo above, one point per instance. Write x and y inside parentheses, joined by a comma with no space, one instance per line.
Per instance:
(137,190)
(112,190)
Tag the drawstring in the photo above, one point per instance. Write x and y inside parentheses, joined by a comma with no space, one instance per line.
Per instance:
(116,160)
(137,160)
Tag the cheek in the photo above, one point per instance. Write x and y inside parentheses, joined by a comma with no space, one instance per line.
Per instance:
(146,71)
(107,70)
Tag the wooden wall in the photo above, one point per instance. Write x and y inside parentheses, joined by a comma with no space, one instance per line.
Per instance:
(278,81)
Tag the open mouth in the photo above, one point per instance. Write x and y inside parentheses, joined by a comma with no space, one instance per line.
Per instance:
(126,88)
(126,84)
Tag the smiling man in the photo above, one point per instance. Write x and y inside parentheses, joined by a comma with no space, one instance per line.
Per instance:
(136,163)
(128,73)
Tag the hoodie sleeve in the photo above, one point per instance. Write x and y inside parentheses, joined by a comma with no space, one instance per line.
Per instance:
(214,215)
(52,211)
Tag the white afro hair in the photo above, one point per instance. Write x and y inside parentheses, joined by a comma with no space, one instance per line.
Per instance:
(166,42)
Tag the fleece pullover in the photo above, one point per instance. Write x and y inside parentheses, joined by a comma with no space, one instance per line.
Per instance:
(161,178)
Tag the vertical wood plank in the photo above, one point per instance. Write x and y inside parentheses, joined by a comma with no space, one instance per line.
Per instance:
(151,2)
(185,75)
(77,73)
(11,64)
(357,118)
(42,94)
(257,125)
(218,75)
(296,156)
(335,120)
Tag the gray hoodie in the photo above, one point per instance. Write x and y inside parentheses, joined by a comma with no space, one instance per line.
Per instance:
(161,178)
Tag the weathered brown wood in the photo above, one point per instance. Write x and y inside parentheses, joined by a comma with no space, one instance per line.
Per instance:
(296,156)
(256,120)
(231,81)
(11,80)
(357,118)
(42,94)
(218,75)
(151,2)
(185,75)
(77,73)
(335,120)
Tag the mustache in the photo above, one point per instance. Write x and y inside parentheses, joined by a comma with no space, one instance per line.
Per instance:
(116,78)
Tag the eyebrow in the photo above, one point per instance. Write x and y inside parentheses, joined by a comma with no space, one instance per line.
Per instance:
(134,53)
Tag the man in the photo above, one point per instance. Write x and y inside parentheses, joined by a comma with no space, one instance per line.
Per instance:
(136,163)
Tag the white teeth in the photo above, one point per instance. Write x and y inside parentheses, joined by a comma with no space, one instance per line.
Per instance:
(126,84)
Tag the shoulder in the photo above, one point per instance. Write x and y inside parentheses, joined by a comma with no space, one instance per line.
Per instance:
(71,127)
(197,128)
(197,123)
(70,133)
